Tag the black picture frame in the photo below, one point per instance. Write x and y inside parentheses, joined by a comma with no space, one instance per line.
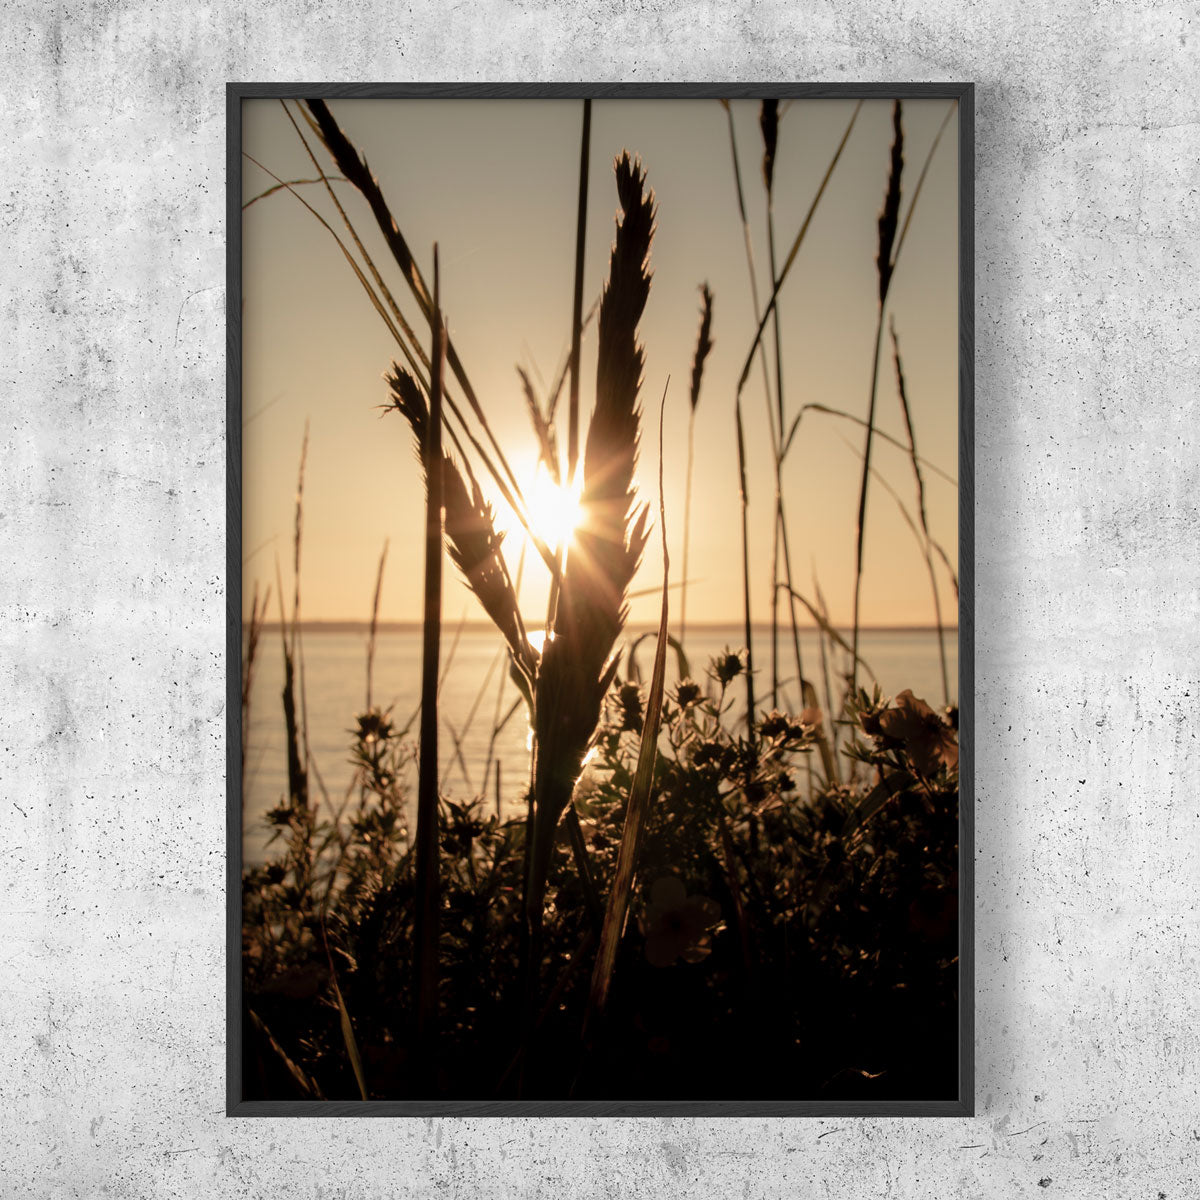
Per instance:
(964,1104)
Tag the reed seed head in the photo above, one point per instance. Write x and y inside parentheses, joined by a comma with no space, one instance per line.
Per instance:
(472,541)
(768,121)
(889,218)
(704,343)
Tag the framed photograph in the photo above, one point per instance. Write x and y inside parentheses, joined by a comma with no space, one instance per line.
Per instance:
(600,599)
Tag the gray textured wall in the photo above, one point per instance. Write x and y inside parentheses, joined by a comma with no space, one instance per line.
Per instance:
(112,519)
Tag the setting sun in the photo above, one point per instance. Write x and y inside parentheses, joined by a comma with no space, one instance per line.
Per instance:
(554,512)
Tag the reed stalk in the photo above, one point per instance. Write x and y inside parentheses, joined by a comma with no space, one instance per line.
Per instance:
(797,242)
(704,345)
(745,503)
(890,247)
(775,415)
(750,268)
(881,434)
(889,221)
(902,390)
(427,884)
(585,145)
(258,611)
(769,123)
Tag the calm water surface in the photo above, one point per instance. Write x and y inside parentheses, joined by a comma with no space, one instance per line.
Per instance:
(476,683)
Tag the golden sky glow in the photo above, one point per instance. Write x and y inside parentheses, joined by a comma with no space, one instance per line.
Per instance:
(495,184)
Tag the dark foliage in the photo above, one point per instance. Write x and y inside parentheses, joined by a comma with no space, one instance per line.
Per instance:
(789,938)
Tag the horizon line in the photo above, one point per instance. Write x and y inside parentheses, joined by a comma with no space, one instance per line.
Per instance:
(340,625)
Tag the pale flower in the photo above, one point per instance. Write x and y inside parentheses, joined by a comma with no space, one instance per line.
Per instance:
(677,925)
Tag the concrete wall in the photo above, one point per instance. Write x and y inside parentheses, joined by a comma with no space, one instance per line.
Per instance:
(112,527)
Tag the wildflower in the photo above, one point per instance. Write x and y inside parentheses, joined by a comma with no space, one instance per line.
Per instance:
(630,700)
(777,726)
(774,725)
(727,666)
(677,925)
(712,753)
(373,726)
(928,741)
(687,692)
(279,816)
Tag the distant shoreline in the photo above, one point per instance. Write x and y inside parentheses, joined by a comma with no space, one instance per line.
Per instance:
(449,628)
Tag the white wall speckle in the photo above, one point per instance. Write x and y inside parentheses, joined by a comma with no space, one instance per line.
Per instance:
(112,674)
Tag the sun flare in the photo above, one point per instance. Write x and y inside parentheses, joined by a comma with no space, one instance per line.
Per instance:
(554,511)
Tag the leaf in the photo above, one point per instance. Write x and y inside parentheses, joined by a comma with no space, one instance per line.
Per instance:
(350,1040)
(874,801)
(827,627)
(682,665)
(307,1086)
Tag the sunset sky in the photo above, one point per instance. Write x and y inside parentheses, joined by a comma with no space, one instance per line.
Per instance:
(495,184)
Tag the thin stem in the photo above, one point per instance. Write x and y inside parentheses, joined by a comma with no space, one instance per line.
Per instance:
(921,513)
(796,244)
(778,515)
(741,446)
(889,256)
(862,496)
(585,143)
(687,526)
(375,622)
(427,898)
(749,244)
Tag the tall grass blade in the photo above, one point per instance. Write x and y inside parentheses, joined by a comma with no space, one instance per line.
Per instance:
(351,1042)
(639,796)
(881,434)
(923,544)
(306,1084)
(384,291)
(633,671)
(290,183)
(376,301)
(828,628)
